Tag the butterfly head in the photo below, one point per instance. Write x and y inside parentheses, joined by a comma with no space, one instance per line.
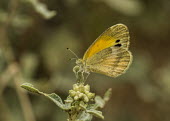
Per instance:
(81,64)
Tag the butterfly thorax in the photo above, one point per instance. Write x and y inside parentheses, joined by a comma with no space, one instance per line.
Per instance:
(81,66)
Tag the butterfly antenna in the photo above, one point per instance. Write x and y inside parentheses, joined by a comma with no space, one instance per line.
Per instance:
(73,53)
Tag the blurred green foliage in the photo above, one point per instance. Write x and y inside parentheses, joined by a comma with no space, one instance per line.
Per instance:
(33,42)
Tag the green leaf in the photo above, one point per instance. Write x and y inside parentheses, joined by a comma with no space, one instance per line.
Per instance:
(107,94)
(29,87)
(95,113)
(83,116)
(53,97)
(92,106)
(56,99)
(99,101)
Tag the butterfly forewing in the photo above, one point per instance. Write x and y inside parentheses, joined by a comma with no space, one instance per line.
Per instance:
(117,35)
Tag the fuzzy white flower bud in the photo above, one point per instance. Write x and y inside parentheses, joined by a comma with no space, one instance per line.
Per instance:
(87,87)
(76,98)
(81,88)
(86,99)
(90,95)
(75,87)
(86,92)
(72,93)
(81,95)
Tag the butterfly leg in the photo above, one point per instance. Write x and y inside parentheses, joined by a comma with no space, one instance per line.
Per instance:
(76,70)
(79,72)
(86,74)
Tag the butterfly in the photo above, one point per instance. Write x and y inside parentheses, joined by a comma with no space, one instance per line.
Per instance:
(108,54)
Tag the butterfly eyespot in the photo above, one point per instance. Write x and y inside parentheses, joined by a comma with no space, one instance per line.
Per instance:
(118,45)
(117,41)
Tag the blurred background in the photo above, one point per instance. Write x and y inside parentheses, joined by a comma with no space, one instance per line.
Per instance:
(34,35)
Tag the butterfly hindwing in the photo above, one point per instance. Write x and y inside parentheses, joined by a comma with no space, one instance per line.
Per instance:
(111,61)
